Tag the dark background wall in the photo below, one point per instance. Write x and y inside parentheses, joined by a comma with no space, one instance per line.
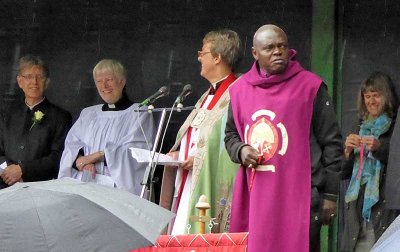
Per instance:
(371,35)
(156,40)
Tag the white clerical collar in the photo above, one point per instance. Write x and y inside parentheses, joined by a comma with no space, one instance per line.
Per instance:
(214,84)
(32,106)
(111,106)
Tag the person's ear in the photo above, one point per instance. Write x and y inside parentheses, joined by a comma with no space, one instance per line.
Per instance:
(122,82)
(217,58)
(19,81)
(255,53)
(47,83)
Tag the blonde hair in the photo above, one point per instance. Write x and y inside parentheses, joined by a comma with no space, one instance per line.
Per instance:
(112,66)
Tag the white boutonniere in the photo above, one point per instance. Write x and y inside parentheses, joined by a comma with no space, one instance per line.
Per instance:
(37,118)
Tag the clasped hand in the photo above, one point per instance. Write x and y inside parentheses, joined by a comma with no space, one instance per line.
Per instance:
(249,156)
(11,174)
(87,163)
(354,141)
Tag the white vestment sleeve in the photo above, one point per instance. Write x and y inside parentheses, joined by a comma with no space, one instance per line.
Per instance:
(126,172)
(113,132)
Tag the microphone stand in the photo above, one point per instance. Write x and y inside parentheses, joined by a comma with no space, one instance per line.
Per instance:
(178,109)
(148,181)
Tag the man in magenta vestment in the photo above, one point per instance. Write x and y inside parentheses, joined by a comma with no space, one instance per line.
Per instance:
(283,130)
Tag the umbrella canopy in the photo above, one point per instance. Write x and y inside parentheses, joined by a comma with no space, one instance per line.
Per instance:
(390,239)
(69,215)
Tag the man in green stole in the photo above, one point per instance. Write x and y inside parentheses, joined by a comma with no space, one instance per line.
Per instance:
(206,168)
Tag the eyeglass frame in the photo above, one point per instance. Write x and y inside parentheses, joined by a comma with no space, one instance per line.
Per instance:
(201,53)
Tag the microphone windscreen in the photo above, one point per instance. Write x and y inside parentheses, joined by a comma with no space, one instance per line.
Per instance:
(187,87)
(163,89)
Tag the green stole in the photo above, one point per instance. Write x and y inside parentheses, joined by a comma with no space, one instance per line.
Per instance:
(213,171)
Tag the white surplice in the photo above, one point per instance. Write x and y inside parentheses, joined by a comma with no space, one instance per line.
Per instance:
(113,132)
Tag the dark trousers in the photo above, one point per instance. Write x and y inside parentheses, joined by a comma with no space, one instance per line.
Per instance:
(315,229)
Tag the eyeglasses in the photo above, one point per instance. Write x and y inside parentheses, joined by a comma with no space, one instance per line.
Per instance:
(201,53)
(31,77)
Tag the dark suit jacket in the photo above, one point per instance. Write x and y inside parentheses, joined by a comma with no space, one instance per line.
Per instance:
(37,150)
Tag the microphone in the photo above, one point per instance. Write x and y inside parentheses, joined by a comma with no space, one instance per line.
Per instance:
(163,91)
(187,89)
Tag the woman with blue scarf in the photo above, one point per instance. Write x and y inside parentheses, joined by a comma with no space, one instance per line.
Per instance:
(366,154)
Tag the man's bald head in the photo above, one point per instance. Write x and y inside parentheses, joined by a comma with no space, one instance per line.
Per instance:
(270,49)
(268,28)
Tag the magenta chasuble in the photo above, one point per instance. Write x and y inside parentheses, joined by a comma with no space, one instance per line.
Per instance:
(273,114)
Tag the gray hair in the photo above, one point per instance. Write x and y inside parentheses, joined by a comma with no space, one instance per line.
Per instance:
(30,61)
(226,43)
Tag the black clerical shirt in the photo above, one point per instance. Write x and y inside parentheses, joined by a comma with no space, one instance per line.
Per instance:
(121,104)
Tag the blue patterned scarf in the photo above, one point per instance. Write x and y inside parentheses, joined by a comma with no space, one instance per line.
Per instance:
(371,167)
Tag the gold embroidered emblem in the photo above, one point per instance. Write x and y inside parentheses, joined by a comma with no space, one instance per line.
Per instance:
(201,143)
(224,104)
(198,120)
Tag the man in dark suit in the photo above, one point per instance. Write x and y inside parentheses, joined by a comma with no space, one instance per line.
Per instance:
(32,132)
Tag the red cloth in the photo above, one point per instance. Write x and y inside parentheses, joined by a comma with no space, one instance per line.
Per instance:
(225,242)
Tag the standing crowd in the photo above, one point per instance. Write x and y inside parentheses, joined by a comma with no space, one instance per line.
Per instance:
(264,146)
